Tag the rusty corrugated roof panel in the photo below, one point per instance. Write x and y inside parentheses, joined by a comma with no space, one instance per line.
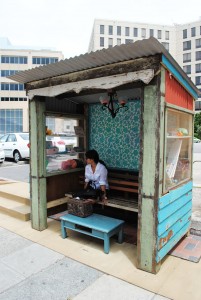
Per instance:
(143,48)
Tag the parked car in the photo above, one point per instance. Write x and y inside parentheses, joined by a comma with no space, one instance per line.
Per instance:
(16,145)
(196,140)
(56,142)
(2,154)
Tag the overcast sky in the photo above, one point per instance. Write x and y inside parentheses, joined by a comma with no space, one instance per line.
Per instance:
(66,25)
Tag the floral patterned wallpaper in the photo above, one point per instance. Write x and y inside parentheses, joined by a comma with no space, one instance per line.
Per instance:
(116,140)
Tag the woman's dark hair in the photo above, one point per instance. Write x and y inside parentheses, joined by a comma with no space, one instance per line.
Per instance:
(93,154)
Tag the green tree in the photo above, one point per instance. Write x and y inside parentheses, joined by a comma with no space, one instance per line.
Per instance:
(197,125)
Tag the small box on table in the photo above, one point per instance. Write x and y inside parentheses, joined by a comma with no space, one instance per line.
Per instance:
(80,208)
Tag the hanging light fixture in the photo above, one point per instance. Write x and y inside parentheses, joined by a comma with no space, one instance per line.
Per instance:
(113,103)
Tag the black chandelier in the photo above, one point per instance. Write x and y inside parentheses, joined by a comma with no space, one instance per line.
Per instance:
(113,103)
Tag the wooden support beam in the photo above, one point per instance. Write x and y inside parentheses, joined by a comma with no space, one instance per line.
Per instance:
(138,64)
(37,170)
(149,183)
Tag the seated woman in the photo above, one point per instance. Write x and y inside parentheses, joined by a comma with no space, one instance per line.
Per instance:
(96,174)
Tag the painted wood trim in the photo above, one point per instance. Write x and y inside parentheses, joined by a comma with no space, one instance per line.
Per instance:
(170,209)
(178,76)
(37,168)
(167,223)
(105,83)
(174,194)
(172,231)
(172,242)
(168,105)
(162,132)
(147,216)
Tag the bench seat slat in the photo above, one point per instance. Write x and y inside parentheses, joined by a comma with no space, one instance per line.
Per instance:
(123,182)
(124,189)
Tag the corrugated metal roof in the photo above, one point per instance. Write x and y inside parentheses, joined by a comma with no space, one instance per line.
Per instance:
(143,48)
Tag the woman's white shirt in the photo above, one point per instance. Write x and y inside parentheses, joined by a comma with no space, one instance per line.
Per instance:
(99,177)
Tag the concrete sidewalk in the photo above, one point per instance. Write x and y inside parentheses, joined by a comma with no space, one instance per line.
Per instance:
(41,265)
(32,271)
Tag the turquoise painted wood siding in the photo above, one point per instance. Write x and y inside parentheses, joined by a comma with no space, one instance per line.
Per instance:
(174,216)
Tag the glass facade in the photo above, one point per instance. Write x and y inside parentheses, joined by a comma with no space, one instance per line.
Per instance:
(11,120)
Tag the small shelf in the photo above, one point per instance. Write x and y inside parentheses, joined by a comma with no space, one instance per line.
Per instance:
(179,137)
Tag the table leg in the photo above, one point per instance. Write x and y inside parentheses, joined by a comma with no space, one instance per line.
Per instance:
(63,230)
(120,236)
(106,243)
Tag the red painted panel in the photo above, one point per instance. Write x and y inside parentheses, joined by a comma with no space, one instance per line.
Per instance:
(176,94)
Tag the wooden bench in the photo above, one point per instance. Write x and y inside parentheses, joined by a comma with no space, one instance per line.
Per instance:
(123,190)
(98,226)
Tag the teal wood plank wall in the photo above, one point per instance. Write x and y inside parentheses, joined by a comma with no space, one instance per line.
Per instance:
(174,216)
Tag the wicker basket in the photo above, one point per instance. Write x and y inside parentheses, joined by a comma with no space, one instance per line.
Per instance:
(80,208)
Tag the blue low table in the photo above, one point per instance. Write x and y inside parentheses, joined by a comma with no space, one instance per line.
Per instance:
(98,226)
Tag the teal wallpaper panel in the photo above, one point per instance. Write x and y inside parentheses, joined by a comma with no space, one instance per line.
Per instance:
(116,140)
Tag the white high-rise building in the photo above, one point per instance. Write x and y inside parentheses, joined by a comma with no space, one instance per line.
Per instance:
(182,41)
(13,100)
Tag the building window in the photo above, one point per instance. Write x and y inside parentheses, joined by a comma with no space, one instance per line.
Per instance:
(197,105)
(186,57)
(128,41)
(118,30)
(102,29)
(13,59)
(166,45)
(143,32)
(159,34)
(198,43)
(193,32)
(135,32)
(118,42)
(198,68)
(187,69)
(101,41)
(11,120)
(167,35)
(187,45)
(184,33)
(151,32)
(44,60)
(198,80)
(127,31)
(110,43)
(13,99)
(110,30)
(5,73)
(12,86)
(198,55)
(50,122)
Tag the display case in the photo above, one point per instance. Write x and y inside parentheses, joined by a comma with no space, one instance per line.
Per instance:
(64,144)
(178,152)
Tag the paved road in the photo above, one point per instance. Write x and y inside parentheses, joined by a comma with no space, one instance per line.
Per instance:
(13,171)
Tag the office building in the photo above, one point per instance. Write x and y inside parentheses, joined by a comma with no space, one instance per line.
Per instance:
(182,41)
(13,99)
